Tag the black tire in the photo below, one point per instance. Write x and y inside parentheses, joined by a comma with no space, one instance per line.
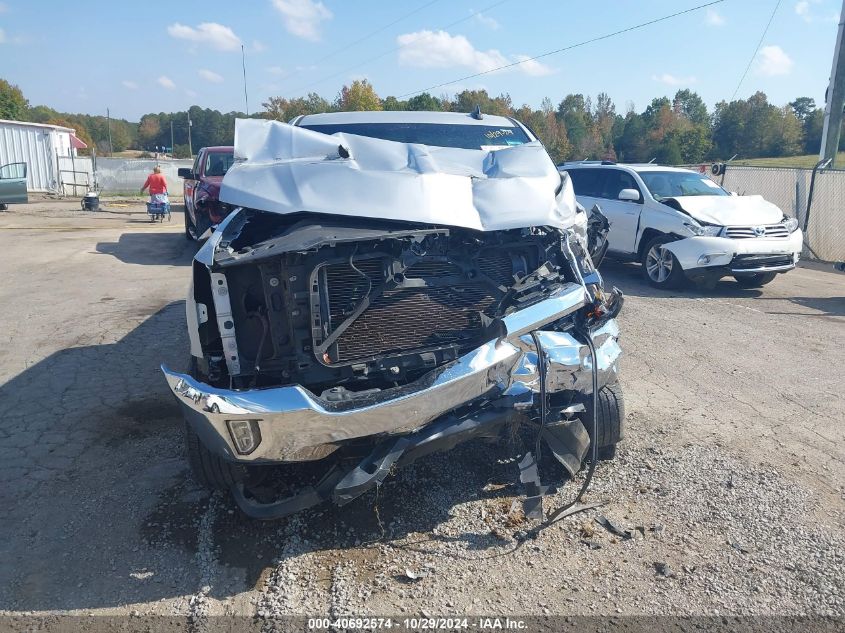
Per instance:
(756,280)
(190,229)
(611,420)
(207,468)
(668,272)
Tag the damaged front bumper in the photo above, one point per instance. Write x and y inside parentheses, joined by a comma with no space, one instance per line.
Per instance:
(701,255)
(291,424)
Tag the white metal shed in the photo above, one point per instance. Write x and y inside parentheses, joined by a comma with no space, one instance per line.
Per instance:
(39,146)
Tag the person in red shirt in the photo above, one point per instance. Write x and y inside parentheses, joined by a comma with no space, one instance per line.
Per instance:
(157,185)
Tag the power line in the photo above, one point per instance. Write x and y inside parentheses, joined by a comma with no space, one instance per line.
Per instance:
(566,48)
(751,61)
(366,37)
(393,50)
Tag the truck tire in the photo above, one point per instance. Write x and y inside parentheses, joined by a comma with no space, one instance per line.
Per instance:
(611,417)
(207,468)
(190,229)
(756,280)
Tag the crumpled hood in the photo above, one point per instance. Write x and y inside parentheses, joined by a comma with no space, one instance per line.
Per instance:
(286,169)
(730,210)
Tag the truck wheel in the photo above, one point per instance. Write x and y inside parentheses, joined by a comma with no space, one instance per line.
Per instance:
(660,267)
(611,416)
(756,280)
(207,468)
(190,229)
(4,207)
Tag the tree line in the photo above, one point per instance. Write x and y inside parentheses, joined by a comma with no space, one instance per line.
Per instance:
(680,130)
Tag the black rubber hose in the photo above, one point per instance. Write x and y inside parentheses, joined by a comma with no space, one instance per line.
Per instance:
(541,370)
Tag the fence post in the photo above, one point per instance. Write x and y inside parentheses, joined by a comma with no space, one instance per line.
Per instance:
(819,165)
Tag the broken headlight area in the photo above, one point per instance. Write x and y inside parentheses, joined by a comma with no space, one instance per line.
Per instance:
(347,307)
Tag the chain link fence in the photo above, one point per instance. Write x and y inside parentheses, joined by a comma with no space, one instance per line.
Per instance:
(817,202)
(127,175)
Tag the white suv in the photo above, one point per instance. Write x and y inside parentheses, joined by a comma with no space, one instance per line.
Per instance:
(679,223)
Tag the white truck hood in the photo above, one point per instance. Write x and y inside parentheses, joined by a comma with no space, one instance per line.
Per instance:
(731,210)
(286,169)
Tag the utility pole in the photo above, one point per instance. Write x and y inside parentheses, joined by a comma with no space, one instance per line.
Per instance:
(171,137)
(108,124)
(190,150)
(835,98)
(243,65)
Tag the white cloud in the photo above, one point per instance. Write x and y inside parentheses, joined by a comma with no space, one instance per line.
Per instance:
(303,17)
(130,85)
(484,20)
(277,70)
(773,61)
(672,80)
(215,35)
(439,49)
(532,67)
(258,46)
(713,18)
(166,82)
(804,10)
(210,75)
(429,49)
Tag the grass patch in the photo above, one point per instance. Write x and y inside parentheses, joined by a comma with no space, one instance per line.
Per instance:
(807,161)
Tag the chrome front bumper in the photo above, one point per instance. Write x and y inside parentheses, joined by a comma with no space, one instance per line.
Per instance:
(296,425)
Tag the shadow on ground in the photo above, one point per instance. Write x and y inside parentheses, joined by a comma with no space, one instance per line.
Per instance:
(153,248)
(102,511)
(90,436)
(629,278)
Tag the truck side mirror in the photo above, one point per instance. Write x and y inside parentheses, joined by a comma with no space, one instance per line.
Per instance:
(186,172)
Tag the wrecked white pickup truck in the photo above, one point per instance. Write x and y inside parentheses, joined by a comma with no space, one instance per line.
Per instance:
(389,285)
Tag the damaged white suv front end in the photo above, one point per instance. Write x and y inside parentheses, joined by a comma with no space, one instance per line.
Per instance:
(680,224)
(372,301)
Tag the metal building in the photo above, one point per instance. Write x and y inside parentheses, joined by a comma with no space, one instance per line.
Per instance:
(41,147)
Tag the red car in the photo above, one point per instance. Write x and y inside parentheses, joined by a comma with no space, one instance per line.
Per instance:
(203,208)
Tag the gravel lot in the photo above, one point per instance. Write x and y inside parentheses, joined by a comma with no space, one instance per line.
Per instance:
(730,481)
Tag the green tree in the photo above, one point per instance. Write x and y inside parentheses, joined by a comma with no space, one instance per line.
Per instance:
(360,96)
(803,107)
(393,104)
(42,114)
(692,107)
(573,113)
(467,100)
(282,109)
(149,131)
(424,101)
(813,126)
(13,105)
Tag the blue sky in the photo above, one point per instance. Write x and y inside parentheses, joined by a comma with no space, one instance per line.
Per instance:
(159,56)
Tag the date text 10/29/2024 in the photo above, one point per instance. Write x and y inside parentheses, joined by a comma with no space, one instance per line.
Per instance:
(418,624)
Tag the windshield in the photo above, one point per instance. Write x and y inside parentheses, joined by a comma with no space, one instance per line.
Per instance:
(668,184)
(218,163)
(437,134)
